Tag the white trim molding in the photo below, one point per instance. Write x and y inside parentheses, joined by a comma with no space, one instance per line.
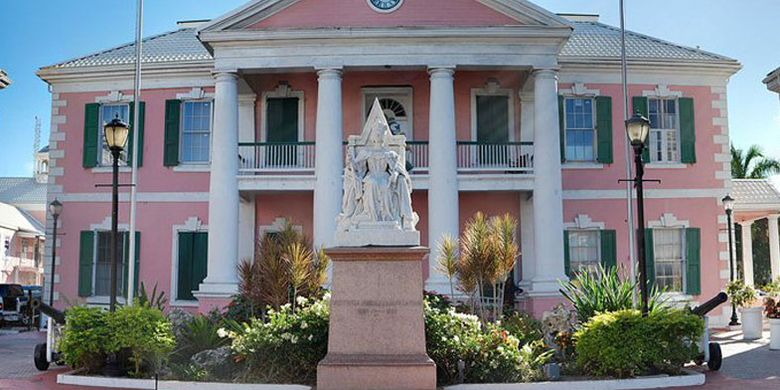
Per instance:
(584,222)
(662,91)
(405,94)
(276,226)
(579,89)
(114,96)
(282,90)
(192,224)
(196,93)
(106,226)
(493,88)
(668,220)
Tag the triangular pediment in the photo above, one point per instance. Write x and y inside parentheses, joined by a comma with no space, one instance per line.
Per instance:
(308,14)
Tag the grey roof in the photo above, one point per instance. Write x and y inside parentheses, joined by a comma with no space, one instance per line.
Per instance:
(594,39)
(755,192)
(44,149)
(589,39)
(176,46)
(11,217)
(4,79)
(22,190)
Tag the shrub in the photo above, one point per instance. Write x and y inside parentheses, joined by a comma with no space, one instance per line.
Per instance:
(197,335)
(624,344)
(741,294)
(84,338)
(604,290)
(523,326)
(285,348)
(145,333)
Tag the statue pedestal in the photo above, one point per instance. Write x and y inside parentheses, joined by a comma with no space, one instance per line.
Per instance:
(377,329)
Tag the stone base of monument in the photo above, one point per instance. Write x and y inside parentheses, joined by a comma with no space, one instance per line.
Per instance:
(377,328)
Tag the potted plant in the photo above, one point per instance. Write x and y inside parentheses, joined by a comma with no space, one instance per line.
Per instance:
(772,308)
(745,297)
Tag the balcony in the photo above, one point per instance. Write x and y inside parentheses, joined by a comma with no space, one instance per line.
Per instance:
(297,158)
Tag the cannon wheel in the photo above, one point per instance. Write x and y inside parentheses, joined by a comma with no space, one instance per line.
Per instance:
(40,357)
(716,357)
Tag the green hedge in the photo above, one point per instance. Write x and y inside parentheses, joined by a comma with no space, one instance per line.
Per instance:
(625,344)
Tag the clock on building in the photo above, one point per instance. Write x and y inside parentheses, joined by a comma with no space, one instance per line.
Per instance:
(385,5)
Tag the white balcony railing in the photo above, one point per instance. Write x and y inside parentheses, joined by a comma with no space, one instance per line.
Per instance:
(295,157)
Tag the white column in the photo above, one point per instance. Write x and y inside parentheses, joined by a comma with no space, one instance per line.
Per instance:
(527,241)
(747,252)
(774,246)
(443,206)
(246,132)
(548,199)
(329,159)
(221,280)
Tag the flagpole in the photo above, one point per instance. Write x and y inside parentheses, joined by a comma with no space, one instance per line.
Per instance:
(626,115)
(134,179)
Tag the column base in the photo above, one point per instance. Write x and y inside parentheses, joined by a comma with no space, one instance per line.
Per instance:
(537,304)
(545,286)
(441,285)
(214,296)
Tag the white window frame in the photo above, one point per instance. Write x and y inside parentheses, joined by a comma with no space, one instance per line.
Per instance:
(282,91)
(683,256)
(405,95)
(94,298)
(566,130)
(102,138)
(191,225)
(663,131)
(211,131)
(598,245)
(493,88)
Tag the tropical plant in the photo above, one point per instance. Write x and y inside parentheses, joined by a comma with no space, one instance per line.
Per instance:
(523,326)
(154,299)
(752,163)
(604,290)
(533,357)
(772,308)
(197,335)
(447,263)
(741,294)
(285,267)
(625,343)
(488,253)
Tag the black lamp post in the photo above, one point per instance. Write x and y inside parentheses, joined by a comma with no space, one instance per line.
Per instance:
(728,204)
(638,128)
(55,209)
(116,133)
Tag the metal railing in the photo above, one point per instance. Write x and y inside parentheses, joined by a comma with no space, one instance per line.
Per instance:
(276,157)
(258,157)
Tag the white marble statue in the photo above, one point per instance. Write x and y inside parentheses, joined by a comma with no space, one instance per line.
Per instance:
(377,202)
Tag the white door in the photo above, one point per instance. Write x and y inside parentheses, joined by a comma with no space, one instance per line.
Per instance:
(397,105)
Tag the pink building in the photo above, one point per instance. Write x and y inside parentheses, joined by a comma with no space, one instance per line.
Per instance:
(507,107)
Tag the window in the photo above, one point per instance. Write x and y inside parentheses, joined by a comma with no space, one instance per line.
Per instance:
(664,133)
(196,132)
(580,129)
(102,272)
(109,112)
(584,250)
(669,258)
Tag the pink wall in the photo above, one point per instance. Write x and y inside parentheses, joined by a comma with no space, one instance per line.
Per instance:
(333,13)
(699,175)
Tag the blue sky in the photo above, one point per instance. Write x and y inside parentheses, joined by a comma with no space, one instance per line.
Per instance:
(36,33)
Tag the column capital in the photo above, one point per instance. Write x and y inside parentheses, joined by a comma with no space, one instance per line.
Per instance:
(746,223)
(545,72)
(441,71)
(225,75)
(773,216)
(333,72)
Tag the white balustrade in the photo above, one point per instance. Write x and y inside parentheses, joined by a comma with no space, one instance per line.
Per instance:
(270,157)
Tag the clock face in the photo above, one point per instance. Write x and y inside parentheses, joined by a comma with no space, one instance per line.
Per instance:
(385,5)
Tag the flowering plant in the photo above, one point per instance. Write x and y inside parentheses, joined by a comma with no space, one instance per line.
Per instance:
(741,294)
(772,308)
(286,347)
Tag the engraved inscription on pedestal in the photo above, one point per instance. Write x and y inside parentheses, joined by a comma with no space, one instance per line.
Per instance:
(377,198)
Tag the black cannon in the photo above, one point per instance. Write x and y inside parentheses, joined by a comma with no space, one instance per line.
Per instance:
(44,353)
(711,352)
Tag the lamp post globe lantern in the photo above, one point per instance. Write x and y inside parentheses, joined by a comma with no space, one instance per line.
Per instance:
(637,130)
(728,205)
(116,134)
(55,209)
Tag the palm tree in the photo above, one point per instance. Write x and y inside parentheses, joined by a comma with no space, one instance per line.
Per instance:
(752,164)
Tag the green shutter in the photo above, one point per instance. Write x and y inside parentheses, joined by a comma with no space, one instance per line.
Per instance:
(693,259)
(649,258)
(126,268)
(608,248)
(492,119)
(184,277)
(687,131)
(136,130)
(562,125)
(566,254)
(200,252)
(641,106)
(172,129)
(91,135)
(86,262)
(604,129)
